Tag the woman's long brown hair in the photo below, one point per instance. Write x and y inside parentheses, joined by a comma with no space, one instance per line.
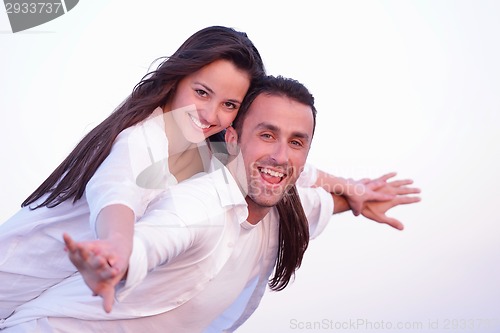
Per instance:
(293,225)
(155,89)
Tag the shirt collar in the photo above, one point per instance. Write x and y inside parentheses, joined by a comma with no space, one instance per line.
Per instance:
(227,189)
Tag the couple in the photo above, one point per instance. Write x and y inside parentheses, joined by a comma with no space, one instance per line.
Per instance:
(204,250)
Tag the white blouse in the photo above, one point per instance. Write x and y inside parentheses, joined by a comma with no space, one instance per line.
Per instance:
(32,256)
(135,171)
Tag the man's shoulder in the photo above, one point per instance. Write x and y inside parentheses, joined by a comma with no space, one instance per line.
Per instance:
(207,188)
(200,186)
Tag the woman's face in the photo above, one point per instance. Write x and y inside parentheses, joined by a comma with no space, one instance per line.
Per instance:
(207,101)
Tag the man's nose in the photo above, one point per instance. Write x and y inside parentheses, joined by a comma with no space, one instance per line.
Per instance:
(280,153)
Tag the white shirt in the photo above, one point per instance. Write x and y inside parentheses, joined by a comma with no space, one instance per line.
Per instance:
(183,243)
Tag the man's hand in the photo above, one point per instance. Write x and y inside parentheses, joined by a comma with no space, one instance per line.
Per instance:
(359,192)
(101,265)
(399,189)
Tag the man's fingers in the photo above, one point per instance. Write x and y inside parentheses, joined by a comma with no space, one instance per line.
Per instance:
(97,262)
(392,222)
(102,267)
(108,272)
(386,177)
(365,181)
(69,242)
(382,218)
(84,253)
(108,299)
(395,223)
(407,190)
(401,182)
(406,200)
(379,196)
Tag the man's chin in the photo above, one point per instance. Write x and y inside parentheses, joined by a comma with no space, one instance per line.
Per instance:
(266,201)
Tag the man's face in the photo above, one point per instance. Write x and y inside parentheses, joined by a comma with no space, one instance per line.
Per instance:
(274,144)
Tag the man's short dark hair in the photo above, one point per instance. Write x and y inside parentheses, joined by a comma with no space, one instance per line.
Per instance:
(275,86)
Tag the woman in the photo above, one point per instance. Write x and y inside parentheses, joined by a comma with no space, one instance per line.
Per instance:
(147,144)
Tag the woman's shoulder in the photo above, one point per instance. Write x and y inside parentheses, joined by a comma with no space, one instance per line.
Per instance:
(152,125)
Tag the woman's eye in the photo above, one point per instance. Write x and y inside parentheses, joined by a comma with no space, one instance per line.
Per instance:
(230,105)
(201,92)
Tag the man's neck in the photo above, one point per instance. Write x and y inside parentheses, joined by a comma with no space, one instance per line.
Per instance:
(236,167)
(255,212)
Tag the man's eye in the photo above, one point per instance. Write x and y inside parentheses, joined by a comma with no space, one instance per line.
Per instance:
(296,143)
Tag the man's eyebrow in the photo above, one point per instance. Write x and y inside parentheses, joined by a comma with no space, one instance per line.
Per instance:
(268,126)
(274,128)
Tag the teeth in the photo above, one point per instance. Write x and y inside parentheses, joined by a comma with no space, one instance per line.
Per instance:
(272,172)
(197,122)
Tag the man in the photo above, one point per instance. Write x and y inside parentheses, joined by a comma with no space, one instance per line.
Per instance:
(204,252)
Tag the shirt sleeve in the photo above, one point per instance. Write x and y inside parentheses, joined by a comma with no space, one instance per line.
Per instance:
(159,236)
(187,219)
(308,176)
(318,207)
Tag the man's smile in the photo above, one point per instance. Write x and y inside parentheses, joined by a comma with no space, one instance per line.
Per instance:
(271,176)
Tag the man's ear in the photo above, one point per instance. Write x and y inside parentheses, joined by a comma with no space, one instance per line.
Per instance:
(231,138)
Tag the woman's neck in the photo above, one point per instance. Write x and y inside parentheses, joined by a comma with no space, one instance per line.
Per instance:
(185,158)
(177,142)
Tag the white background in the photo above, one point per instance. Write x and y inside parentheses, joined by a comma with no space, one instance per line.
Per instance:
(406,86)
